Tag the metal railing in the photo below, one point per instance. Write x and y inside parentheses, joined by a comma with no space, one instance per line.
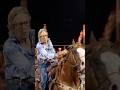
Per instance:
(61,45)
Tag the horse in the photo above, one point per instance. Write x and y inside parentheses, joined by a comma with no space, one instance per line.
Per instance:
(66,74)
(105,64)
(111,59)
(90,80)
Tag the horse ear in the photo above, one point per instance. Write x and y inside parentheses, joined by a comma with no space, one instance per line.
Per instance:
(92,38)
(73,42)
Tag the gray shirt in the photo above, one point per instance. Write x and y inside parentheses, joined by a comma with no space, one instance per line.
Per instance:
(19,62)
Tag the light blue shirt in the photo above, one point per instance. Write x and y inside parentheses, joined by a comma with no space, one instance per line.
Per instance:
(45,53)
(19,62)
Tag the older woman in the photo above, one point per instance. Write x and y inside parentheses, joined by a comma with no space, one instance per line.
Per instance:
(46,54)
(18,51)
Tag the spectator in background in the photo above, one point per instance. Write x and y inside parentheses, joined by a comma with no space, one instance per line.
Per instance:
(19,51)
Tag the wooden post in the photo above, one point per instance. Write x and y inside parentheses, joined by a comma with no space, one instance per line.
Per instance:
(83,34)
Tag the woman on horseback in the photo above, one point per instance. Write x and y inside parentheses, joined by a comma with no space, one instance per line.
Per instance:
(46,55)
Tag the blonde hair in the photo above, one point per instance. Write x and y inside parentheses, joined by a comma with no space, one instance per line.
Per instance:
(13,13)
(40,31)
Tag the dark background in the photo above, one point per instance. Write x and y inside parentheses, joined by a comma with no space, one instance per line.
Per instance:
(64,18)
(97,12)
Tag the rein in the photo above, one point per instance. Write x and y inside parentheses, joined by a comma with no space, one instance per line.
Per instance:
(57,82)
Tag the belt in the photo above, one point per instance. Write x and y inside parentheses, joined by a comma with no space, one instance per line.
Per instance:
(26,80)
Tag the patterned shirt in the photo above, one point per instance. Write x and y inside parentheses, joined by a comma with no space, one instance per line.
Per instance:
(19,62)
(45,53)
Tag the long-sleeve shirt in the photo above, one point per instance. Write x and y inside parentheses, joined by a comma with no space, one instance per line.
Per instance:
(19,62)
(45,53)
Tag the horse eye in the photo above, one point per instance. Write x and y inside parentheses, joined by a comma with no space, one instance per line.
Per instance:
(82,63)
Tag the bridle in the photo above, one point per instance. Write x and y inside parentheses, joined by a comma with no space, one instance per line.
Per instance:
(63,85)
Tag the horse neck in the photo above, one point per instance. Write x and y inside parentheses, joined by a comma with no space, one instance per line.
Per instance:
(66,75)
(72,73)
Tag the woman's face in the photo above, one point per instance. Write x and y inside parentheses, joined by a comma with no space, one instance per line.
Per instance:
(21,26)
(43,37)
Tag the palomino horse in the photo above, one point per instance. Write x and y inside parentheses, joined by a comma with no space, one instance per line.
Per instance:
(66,76)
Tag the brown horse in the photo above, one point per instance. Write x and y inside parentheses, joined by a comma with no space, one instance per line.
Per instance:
(99,60)
(91,82)
(66,76)
(96,71)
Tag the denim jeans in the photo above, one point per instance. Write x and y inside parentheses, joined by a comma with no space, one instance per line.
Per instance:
(43,78)
(17,85)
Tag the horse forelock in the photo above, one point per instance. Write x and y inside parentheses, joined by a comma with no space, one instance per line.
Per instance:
(74,55)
